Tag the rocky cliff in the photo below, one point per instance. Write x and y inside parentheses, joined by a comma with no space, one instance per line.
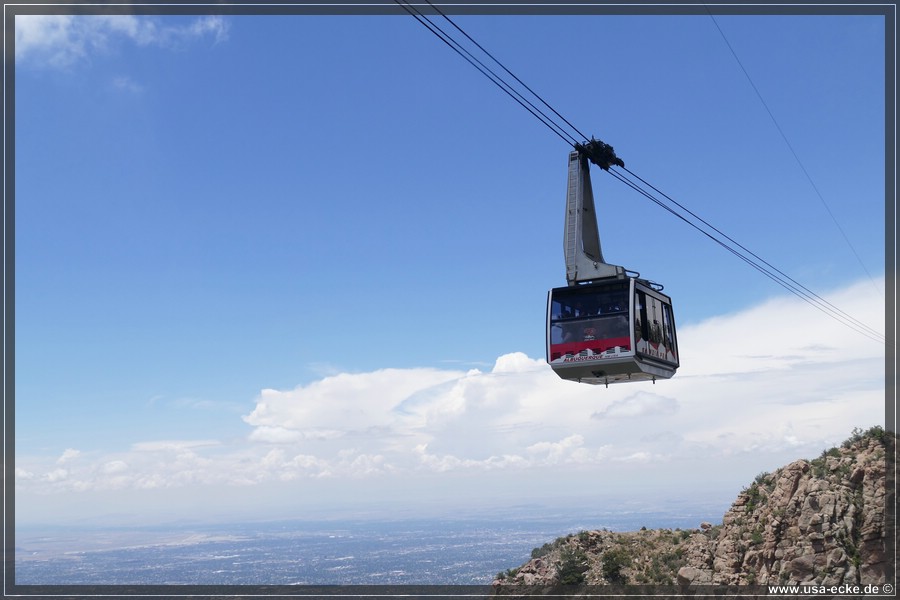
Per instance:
(819,521)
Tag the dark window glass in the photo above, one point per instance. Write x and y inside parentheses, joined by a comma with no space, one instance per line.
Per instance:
(589,319)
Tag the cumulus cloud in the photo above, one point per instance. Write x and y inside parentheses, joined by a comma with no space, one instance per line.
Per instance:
(761,388)
(347,403)
(441,463)
(640,404)
(770,379)
(56,475)
(23,474)
(641,457)
(782,334)
(569,450)
(275,435)
(171,445)
(61,41)
(114,466)
(67,455)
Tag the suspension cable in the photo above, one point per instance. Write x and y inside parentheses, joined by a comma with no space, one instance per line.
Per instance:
(793,152)
(806,292)
(522,83)
(784,281)
(487,72)
(743,254)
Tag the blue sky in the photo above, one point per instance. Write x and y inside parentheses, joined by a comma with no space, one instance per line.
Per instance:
(265,262)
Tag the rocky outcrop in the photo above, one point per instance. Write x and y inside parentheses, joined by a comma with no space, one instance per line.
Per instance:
(819,521)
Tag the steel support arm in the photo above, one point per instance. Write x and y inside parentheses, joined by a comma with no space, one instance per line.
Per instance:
(584,257)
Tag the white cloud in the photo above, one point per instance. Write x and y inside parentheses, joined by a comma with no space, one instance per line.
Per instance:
(114,466)
(568,451)
(67,455)
(347,403)
(640,404)
(171,445)
(641,457)
(23,475)
(56,475)
(61,41)
(127,85)
(782,334)
(756,390)
(275,435)
(517,362)
(447,462)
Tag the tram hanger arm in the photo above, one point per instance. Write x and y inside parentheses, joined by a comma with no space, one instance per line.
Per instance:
(581,240)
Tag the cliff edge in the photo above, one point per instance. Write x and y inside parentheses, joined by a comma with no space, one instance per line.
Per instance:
(814,522)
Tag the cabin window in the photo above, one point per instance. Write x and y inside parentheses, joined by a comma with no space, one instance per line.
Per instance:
(669,330)
(589,321)
(640,317)
(654,328)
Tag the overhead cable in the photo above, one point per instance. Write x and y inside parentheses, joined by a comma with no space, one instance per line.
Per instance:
(794,153)
(713,233)
(754,260)
(522,83)
(486,71)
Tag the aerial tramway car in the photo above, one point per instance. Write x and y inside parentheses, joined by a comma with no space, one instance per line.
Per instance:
(608,325)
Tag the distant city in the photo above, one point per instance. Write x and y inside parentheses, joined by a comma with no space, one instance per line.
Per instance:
(464,551)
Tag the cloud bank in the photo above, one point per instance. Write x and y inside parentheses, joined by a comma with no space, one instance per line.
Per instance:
(61,41)
(756,389)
